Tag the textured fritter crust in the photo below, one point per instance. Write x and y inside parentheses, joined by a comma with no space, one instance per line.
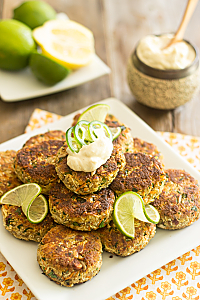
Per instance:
(69,257)
(17,224)
(115,242)
(124,140)
(8,178)
(88,212)
(179,202)
(142,174)
(36,164)
(147,148)
(49,135)
(89,182)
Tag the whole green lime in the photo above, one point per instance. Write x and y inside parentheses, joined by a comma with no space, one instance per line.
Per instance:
(47,70)
(34,13)
(16,44)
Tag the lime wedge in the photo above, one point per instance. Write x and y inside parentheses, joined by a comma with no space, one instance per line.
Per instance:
(129,206)
(20,194)
(95,112)
(37,209)
(115,132)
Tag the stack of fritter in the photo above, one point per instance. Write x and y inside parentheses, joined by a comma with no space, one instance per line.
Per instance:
(79,224)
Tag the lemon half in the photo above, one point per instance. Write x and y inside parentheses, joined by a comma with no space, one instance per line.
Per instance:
(67,42)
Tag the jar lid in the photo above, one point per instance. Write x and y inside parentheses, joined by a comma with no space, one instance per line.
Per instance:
(166,74)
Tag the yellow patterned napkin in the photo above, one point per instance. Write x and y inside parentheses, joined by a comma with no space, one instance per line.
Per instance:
(177,280)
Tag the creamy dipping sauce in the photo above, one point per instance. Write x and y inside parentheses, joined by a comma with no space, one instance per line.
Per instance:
(151,52)
(90,157)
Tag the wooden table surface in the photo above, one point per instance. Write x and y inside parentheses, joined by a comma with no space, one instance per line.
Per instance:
(117,26)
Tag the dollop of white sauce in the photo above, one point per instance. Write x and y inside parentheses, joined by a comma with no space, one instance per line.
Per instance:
(91,156)
(151,52)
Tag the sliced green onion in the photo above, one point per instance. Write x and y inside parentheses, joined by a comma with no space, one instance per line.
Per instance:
(98,129)
(72,143)
(84,133)
(115,132)
(81,133)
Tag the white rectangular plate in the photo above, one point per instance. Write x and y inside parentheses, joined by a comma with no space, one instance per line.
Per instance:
(25,85)
(116,272)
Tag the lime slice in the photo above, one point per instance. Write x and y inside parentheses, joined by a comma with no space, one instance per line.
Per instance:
(151,214)
(123,214)
(20,194)
(96,112)
(36,210)
(129,206)
(146,213)
(115,132)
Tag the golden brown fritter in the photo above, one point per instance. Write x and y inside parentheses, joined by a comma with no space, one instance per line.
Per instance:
(88,212)
(89,182)
(115,242)
(18,225)
(49,135)
(142,174)
(147,148)
(179,202)
(8,178)
(69,257)
(36,164)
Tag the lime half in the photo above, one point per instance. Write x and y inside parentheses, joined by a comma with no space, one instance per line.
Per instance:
(95,112)
(130,206)
(47,70)
(37,209)
(20,194)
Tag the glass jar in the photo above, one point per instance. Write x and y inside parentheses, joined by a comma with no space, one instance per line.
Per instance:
(163,89)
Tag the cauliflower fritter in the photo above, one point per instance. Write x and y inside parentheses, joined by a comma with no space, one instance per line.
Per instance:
(142,174)
(115,242)
(84,183)
(69,257)
(179,202)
